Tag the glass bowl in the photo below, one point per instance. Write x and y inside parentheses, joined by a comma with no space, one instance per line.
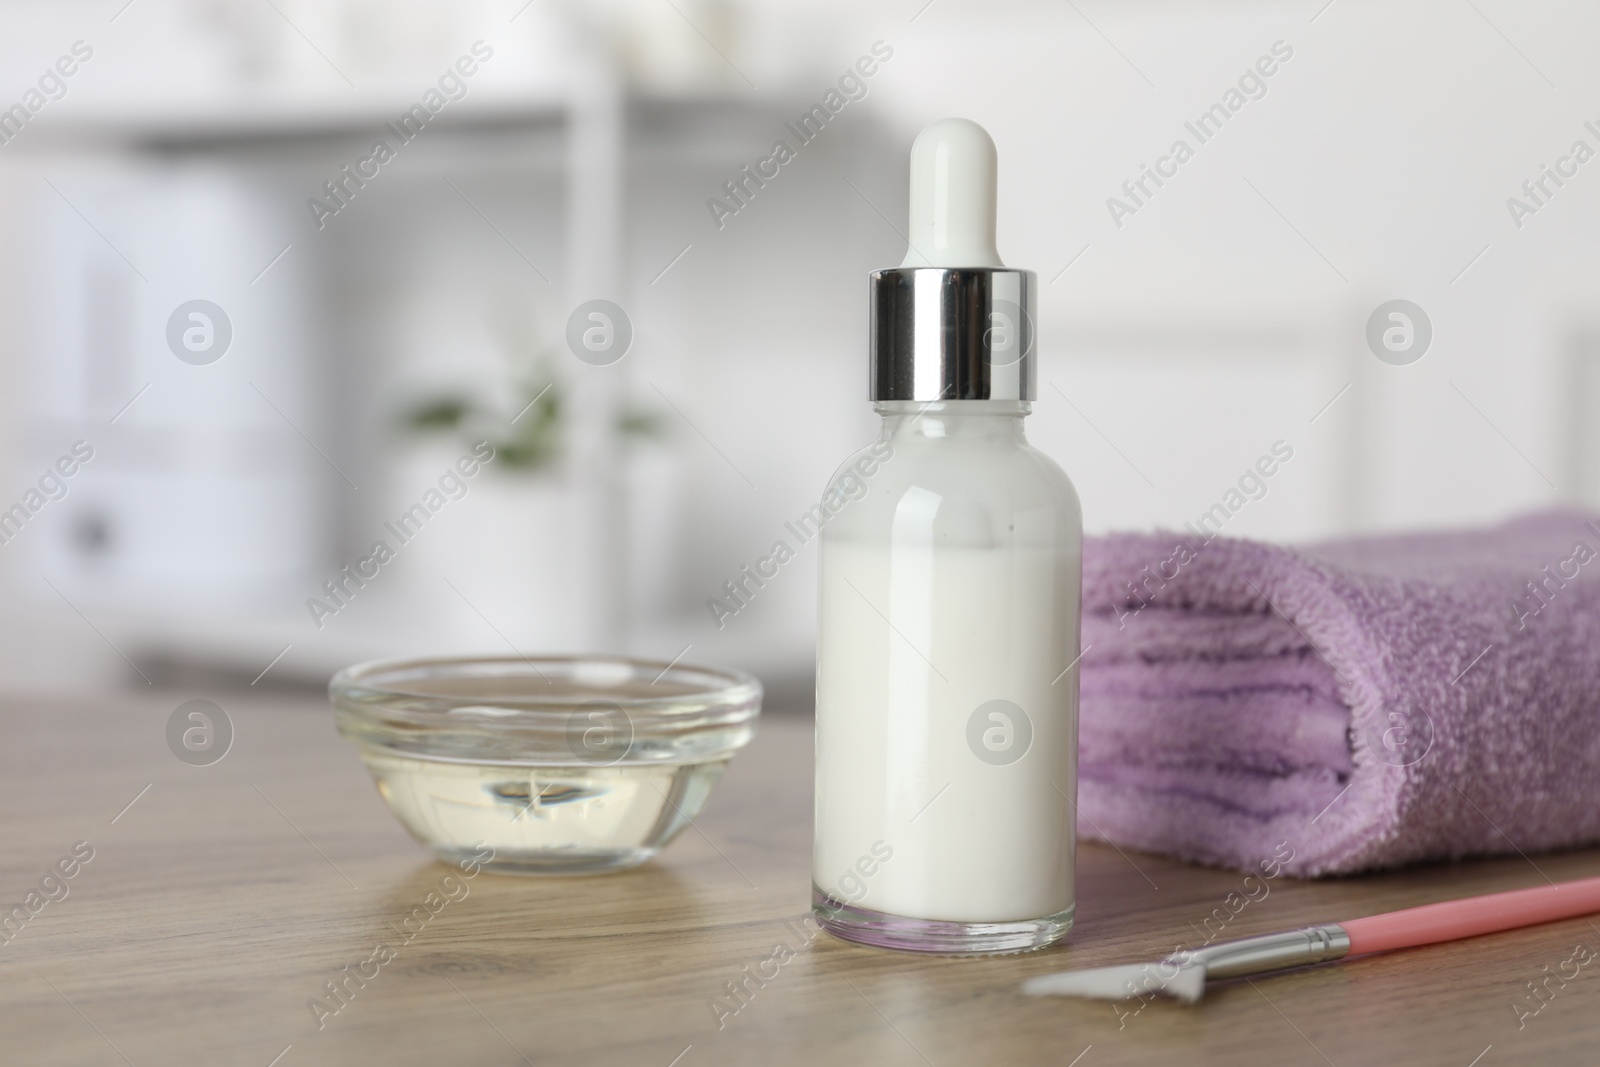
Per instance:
(549,765)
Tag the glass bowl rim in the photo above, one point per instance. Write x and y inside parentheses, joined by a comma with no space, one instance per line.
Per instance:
(361,689)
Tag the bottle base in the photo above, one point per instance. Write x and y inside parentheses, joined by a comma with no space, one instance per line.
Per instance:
(939,937)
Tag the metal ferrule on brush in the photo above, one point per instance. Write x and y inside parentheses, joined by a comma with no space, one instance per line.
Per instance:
(1269,952)
(953,333)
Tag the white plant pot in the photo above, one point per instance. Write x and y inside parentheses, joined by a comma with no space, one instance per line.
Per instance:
(491,571)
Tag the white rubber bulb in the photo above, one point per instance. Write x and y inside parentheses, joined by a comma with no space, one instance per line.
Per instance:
(953,168)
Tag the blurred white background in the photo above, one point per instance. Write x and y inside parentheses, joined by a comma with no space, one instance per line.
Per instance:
(1226,313)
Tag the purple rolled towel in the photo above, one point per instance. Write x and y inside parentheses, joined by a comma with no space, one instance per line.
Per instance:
(1370,702)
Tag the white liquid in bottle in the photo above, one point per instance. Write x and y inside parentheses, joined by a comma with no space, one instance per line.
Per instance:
(977,815)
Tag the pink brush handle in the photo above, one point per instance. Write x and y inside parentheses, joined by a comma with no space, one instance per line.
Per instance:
(1455,919)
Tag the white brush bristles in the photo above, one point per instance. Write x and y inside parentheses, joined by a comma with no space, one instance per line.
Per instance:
(1186,983)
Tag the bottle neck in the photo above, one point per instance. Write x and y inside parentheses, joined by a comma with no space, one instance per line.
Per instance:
(995,421)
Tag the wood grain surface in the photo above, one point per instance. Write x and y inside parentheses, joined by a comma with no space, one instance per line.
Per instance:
(225,897)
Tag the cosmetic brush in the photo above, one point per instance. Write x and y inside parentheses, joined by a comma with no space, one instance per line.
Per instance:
(1184,973)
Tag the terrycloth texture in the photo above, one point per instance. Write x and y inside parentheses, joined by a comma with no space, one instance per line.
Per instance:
(1371,702)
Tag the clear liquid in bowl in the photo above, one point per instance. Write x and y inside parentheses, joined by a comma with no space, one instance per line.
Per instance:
(573,819)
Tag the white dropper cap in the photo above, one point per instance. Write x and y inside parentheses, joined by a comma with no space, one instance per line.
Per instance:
(953,166)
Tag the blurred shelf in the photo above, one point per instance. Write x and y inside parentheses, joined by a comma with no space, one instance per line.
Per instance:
(263,119)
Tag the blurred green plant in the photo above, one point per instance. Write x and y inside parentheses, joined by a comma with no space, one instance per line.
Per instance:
(529,440)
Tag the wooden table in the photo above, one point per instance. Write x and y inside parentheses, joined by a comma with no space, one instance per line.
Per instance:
(224,897)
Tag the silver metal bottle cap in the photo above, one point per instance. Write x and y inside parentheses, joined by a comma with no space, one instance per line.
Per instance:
(953,333)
